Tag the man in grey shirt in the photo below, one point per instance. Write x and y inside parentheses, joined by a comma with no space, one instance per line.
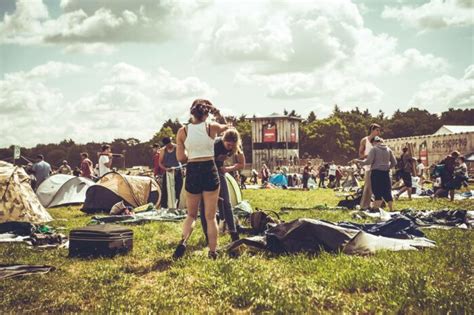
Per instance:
(41,169)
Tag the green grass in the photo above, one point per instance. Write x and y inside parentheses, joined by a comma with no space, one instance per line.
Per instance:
(436,280)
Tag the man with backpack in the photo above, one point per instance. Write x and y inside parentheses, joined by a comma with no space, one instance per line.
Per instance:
(407,170)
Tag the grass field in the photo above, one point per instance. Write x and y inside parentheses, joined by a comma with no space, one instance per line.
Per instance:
(436,280)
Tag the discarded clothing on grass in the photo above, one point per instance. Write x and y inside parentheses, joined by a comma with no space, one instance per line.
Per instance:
(316,207)
(11,271)
(443,219)
(170,215)
(398,227)
(33,235)
(313,236)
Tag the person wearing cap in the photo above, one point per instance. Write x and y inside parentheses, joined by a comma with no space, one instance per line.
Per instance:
(364,149)
(407,170)
(65,168)
(380,159)
(41,169)
(169,162)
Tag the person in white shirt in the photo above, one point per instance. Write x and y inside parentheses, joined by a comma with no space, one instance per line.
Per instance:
(105,160)
(364,149)
(420,171)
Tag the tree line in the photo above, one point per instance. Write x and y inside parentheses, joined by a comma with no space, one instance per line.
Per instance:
(333,138)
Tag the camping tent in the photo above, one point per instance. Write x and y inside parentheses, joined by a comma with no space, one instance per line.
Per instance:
(18,201)
(278,180)
(60,189)
(114,187)
(235,194)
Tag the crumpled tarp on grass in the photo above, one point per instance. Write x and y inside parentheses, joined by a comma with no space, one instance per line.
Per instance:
(312,236)
(11,271)
(168,215)
(441,219)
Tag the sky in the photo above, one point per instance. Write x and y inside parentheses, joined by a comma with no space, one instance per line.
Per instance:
(97,70)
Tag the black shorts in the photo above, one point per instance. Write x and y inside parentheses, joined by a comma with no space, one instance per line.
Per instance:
(406,177)
(381,185)
(201,176)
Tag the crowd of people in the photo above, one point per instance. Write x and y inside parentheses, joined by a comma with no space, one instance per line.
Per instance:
(202,148)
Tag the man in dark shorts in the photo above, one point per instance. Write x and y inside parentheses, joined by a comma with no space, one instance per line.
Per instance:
(306,175)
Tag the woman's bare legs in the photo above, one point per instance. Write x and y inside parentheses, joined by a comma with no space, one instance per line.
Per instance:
(210,206)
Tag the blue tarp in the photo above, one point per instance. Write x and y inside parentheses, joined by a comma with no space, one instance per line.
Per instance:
(278,180)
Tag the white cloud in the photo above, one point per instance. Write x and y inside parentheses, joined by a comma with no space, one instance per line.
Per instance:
(24,25)
(312,49)
(131,102)
(446,91)
(90,49)
(434,14)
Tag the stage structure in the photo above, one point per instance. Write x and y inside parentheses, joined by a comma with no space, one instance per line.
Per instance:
(275,141)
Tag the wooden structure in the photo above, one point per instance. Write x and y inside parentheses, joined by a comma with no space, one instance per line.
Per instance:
(275,141)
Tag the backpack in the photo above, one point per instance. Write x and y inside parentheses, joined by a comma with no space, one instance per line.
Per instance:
(351,201)
(259,220)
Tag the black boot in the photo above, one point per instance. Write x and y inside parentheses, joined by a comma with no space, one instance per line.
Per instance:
(234,236)
(180,250)
(212,255)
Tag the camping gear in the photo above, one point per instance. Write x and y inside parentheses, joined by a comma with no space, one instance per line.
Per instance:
(60,190)
(235,194)
(113,187)
(314,236)
(100,240)
(18,201)
(11,271)
(260,219)
(164,215)
(353,200)
(279,180)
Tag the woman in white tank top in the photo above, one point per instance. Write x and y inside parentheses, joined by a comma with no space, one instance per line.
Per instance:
(195,146)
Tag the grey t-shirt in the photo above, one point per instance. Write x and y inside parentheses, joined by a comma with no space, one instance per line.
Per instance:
(42,170)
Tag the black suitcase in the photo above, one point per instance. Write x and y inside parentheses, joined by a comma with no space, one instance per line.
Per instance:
(100,240)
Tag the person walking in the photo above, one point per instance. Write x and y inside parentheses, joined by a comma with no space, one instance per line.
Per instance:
(195,146)
(407,170)
(157,169)
(173,178)
(364,149)
(322,175)
(228,146)
(380,159)
(420,172)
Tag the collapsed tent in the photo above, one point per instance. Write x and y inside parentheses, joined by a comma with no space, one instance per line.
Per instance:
(113,187)
(278,180)
(235,194)
(18,201)
(313,236)
(60,189)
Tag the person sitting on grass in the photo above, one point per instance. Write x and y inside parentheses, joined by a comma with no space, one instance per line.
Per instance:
(460,177)
(381,160)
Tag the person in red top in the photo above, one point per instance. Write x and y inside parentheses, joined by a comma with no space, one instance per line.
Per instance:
(86,166)
(157,170)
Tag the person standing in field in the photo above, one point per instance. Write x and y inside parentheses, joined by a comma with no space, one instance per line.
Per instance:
(307,170)
(64,168)
(195,146)
(381,159)
(228,146)
(169,162)
(265,173)
(86,166)
(420,172)
(105,160)
(41,169)
(157,170)
(364,149)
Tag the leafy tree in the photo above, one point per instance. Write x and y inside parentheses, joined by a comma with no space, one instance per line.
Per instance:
(311,117)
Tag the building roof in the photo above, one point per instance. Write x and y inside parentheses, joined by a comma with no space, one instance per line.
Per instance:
(451,129)
(276,116)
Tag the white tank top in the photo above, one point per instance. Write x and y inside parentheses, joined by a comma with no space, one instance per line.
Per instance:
(198,143)
(368,147)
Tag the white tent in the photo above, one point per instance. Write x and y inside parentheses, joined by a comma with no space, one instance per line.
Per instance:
(60,189)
